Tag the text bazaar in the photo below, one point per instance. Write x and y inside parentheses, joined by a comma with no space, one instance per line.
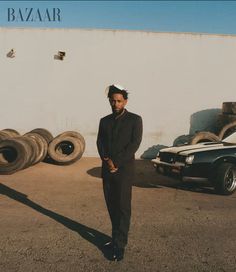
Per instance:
(34,15)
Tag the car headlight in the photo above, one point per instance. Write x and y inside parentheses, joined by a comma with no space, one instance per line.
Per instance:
(189,159)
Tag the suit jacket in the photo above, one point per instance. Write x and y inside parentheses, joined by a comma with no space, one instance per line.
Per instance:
(119,138)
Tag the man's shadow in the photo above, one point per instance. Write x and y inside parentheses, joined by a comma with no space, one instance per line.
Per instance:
(146,177)
(91,235)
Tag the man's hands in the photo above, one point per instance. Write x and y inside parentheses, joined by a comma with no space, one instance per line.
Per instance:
(110,165)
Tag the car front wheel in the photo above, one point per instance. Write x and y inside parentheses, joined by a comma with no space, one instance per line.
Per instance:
(225,182)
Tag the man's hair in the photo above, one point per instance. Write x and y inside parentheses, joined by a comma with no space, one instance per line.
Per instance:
(114,90)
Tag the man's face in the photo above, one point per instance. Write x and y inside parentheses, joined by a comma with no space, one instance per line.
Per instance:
(117,103)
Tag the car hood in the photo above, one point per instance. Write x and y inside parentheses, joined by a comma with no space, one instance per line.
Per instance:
(201,147)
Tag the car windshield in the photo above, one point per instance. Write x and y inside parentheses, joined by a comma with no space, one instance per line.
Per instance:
(231,139)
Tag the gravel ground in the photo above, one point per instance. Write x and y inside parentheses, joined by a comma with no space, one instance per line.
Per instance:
(53,218)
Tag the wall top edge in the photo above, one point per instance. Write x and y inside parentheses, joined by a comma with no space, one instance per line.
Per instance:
(116,30)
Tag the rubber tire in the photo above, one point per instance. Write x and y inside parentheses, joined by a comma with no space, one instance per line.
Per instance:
(227,130)
(11,132)
(204,136)
(74,134)
(220,179)
(224,119)
(44,133)
(229,107)
(3,136)
(34,150)
(58,157)
(22,151)
(42,146)
(31,149)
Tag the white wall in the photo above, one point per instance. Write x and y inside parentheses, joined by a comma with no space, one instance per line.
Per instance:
(170,77)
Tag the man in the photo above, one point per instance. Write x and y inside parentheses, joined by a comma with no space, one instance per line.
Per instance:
(119,137)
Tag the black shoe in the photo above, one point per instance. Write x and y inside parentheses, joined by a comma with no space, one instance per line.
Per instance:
(108,246)
(118,254)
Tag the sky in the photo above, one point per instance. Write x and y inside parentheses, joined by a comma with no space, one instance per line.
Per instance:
(217,17)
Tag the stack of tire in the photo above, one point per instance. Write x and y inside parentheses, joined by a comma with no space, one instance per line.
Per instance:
(19,152)
(226,125)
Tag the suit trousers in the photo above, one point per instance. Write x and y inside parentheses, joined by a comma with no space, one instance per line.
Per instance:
(117,189)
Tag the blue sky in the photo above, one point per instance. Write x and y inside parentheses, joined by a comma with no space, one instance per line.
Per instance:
(161,16)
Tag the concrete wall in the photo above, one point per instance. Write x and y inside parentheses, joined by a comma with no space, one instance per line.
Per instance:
(171,77)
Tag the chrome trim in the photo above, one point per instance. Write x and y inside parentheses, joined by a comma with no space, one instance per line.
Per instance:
(176,164)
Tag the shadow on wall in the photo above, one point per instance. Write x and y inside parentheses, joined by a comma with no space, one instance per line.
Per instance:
(205,120)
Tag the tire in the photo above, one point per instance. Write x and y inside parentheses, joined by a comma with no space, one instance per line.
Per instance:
(224,119)
(11,132)
(225,181)
(204,136)
(13,155)
(74,134)
(33,150)
(44,133)
(65,150)
(227,130)
(3,136)
(42,146)
(229,107)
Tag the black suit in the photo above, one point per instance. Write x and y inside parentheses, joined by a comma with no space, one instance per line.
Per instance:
(119,139)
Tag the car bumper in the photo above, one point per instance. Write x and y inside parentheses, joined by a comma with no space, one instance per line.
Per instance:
(164,167)
(185,171)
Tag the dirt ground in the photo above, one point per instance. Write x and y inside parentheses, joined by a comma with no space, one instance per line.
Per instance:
(53,218)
